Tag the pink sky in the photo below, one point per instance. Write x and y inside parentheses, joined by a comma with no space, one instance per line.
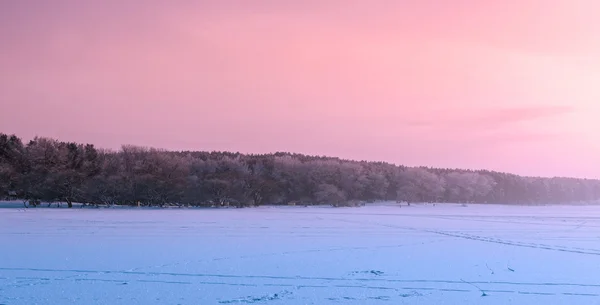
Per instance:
(503,85)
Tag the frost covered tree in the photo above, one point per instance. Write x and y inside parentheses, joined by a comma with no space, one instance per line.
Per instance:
(419,185)
(329,194)
(50,170)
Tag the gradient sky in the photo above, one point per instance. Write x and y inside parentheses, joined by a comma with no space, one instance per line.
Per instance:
(509,85)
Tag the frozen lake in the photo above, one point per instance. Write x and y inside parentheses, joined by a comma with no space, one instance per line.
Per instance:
(444,254)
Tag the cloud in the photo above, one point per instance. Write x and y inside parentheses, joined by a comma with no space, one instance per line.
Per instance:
(524,136)
(491,118)
(502,116)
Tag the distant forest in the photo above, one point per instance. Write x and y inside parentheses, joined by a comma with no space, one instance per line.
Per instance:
(47,170)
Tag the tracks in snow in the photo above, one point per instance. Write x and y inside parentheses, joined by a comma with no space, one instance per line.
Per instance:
(380,283)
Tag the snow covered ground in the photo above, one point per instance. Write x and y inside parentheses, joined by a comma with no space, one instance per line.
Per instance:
(443,254)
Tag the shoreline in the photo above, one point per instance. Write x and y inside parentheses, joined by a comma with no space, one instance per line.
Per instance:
(18,204)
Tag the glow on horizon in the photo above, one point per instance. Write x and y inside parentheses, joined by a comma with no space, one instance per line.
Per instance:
(503,85)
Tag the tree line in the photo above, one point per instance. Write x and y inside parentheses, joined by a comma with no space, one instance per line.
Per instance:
(48,170)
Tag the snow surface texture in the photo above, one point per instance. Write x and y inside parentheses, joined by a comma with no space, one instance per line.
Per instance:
(422,254)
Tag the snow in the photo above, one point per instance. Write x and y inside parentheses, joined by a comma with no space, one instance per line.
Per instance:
(422,254)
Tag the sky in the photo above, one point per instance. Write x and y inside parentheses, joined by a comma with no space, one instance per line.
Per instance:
(508,85)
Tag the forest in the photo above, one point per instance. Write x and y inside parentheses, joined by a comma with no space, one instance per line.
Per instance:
(46,170)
